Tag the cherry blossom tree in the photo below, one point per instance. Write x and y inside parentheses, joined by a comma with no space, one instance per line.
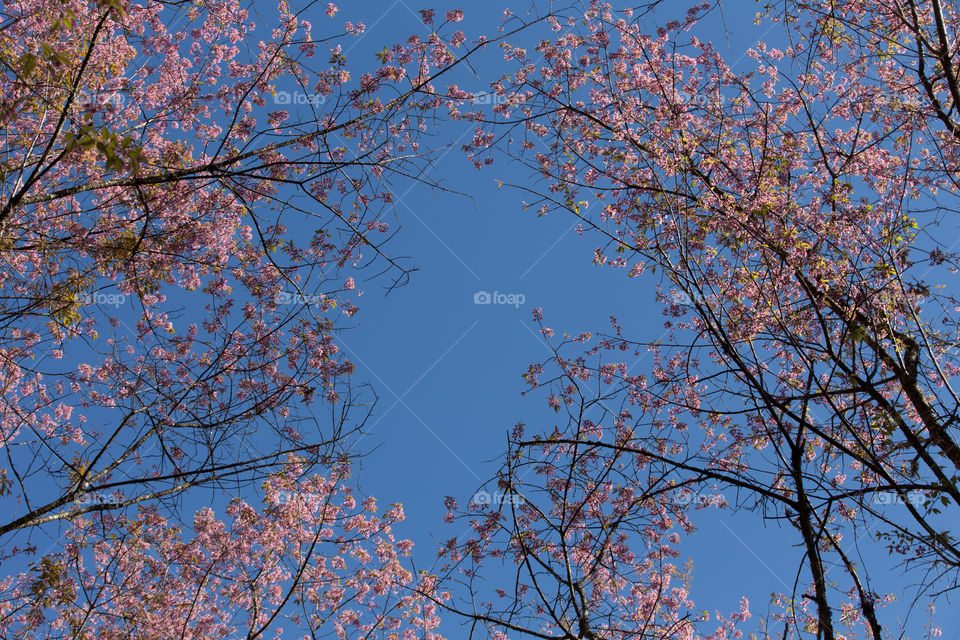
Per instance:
(799,219)
(310,558)
(187,195)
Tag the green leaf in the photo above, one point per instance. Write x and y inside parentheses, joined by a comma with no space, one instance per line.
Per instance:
(27,63)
